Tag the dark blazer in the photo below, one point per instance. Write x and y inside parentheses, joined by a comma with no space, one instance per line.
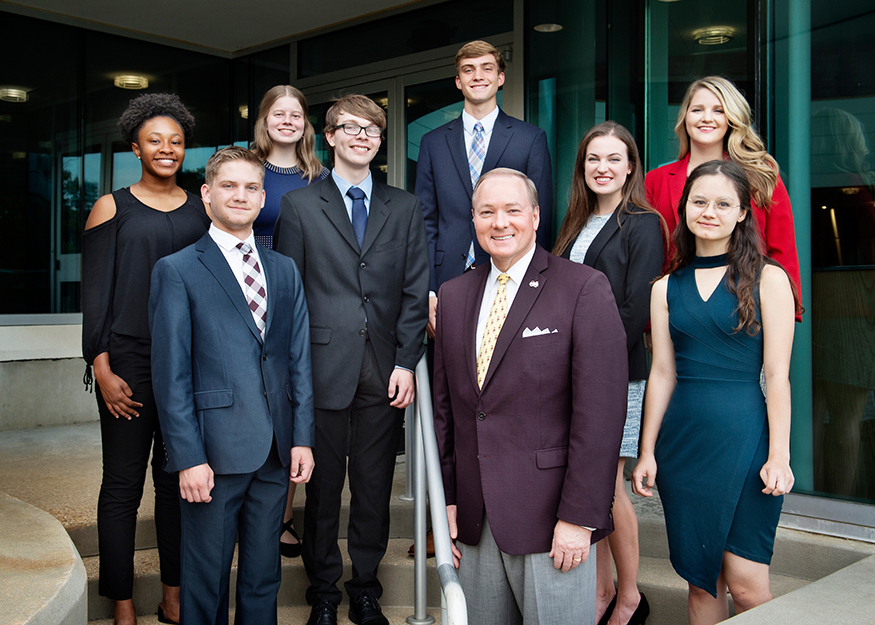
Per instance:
(223,394)
(630,254)
(443,185)
(540,441)
(379,291)
(665,186)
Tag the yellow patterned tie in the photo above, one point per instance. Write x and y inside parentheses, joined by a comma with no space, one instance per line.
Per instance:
(494,321)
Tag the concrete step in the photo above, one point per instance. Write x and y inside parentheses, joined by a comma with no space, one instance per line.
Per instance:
(396,575)
(297,615)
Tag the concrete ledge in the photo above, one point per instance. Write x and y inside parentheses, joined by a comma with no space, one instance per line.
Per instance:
(847,596)
(44,392)
(37,342)
(43,576)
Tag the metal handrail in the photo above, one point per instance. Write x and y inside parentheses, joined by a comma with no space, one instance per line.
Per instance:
(454,610)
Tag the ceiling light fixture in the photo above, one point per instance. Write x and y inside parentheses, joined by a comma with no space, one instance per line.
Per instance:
(131,81)
(13,94)
(714,35)
(548,28)
(244,111)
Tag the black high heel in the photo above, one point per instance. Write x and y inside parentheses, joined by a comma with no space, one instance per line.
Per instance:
(162,618)
(607,615)
(290,550)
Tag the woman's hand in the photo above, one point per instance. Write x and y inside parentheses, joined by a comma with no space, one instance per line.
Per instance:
(777,476)
(644,475)
(116,392)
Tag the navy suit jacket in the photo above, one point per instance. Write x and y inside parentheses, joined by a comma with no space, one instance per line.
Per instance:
(223,393)
(540,441)
(443,185)
(378,291)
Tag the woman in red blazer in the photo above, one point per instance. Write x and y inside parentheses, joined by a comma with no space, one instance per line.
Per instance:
(714,123)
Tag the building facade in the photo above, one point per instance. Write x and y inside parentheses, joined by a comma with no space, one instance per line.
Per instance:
(804,65)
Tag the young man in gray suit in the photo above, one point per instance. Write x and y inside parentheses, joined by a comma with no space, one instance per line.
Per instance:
(360,246)
(231,369)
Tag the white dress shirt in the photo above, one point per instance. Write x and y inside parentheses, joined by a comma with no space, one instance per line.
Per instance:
(517,272)
(228,244)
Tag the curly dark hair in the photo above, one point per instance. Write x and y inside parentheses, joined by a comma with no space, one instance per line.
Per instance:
(149,105)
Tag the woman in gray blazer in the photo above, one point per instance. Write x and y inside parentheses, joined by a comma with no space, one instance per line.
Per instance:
(610,227)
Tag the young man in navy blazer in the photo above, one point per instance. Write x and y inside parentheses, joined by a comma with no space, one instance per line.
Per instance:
(449,165)
(231,369)
(360,246)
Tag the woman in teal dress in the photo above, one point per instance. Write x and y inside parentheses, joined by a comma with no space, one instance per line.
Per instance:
(724,314)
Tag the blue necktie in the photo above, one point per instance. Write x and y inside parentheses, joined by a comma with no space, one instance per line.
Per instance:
(359,214)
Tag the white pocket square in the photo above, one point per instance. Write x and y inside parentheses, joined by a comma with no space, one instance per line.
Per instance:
(537,332)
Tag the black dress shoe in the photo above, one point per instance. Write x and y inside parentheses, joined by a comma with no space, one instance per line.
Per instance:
(607,615)
(290,550)
(364,609)
(323,612)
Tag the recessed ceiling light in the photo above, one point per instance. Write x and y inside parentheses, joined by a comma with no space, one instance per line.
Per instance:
(244,111)
(131,81)
(548,28)
(13,94)
(714,35)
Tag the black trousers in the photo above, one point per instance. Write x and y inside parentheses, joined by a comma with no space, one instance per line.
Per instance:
(126,448)
(365,436)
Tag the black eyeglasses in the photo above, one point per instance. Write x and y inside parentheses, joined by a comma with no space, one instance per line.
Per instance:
(354,129)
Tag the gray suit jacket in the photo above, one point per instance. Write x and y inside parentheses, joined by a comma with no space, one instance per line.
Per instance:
(378,292)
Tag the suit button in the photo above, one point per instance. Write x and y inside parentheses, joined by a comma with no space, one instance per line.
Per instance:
(264,357)
(481,415)
(367,299)
(265,394)
(363,265)
(362,332)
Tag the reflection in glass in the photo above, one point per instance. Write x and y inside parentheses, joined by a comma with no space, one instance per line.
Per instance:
(843,302)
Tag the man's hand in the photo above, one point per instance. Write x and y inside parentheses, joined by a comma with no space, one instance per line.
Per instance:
(432,316)
(402,387)
(454,533)
(195,483)
(302,465)
(570,545)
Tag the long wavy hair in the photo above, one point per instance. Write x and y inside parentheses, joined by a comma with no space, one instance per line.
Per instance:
(741,142)
(304,149)
(744,256)
(583,202)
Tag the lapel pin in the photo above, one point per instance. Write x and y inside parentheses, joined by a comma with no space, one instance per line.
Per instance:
(533,284)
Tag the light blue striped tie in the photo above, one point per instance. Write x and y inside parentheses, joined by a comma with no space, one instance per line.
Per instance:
(475,166)
(477,154)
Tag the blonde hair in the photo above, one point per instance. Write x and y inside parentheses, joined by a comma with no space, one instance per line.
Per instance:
(228,154)
(741,142)
(476,49)
(310,165)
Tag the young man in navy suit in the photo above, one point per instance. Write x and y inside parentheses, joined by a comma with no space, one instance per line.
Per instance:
(453,156)
(233,384)
(360,246)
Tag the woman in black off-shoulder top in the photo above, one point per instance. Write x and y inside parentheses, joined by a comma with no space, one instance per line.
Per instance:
(125,235)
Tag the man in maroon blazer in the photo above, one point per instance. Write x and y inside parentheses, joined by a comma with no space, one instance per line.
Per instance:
(529,443)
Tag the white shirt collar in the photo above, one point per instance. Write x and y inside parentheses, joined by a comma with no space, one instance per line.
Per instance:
(228,241)
(517,271)
(488,122)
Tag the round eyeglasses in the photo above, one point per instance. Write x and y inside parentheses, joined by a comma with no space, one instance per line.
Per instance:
(721,206)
